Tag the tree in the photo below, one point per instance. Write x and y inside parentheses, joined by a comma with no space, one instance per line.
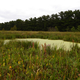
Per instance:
(56,29)
(39,24)
(53,28)
(14,28)
(20,24)
(26,26)
(34,23)
(67,29)
(11,24)
(73,29)
(78,29)
(64,21)
(3,29)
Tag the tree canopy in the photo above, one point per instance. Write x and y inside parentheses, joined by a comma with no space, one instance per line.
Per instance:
(63,21)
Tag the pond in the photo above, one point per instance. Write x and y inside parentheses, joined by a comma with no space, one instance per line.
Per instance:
(53,43)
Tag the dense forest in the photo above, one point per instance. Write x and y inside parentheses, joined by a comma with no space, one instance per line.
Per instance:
(63,21)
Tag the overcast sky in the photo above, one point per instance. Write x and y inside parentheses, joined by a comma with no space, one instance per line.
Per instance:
(25,9)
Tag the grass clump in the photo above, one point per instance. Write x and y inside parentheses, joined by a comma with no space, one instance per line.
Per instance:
(25,61)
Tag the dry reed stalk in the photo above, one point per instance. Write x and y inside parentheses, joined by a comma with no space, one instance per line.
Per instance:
(33,44)
(45,48)
(72,40)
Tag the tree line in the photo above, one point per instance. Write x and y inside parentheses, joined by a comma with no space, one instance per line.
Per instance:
(63,21)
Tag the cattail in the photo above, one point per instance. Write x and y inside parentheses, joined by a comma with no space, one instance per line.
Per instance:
(45,48)
(33,44)
(72,40)
(42,45)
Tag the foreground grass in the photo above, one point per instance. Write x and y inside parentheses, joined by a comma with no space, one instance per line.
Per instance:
(67,36)
(25,61)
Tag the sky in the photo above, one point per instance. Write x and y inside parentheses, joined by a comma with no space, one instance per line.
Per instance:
(25,9)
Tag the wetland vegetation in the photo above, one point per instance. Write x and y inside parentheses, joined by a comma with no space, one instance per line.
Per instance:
(25,60)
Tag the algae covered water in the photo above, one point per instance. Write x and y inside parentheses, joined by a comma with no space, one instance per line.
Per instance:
(53,43)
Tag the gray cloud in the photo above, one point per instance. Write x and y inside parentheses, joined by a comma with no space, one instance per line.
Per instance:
(25,9)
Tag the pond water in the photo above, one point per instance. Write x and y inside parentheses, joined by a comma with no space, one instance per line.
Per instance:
(53,43)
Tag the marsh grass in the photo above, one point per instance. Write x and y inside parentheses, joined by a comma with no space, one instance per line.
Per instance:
(25,61)
(67,36)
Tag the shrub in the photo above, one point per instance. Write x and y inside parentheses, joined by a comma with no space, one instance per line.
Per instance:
(73,29)
(14,28)
(78,28)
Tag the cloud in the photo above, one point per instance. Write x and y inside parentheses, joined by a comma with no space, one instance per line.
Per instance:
(8,16)
(25,9)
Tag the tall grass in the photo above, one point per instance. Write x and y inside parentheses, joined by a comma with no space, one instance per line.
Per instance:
(25,61)
(67,36)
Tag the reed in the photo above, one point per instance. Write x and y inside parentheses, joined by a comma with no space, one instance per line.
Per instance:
(25,61)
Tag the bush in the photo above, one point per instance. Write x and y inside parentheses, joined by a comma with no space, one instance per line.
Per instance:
(14,28)
(78,28)
(53,28)
(73,29)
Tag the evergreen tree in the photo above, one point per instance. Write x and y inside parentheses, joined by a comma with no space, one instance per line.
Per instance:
(14,28)
(78,29)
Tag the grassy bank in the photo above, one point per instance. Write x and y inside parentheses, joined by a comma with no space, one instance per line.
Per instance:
(67,36)
(25,61)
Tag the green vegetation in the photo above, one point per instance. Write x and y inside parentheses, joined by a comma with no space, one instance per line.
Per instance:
(67,36)
(14,28)
(73,29)
(25,60)
(78,28)
(64,21)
